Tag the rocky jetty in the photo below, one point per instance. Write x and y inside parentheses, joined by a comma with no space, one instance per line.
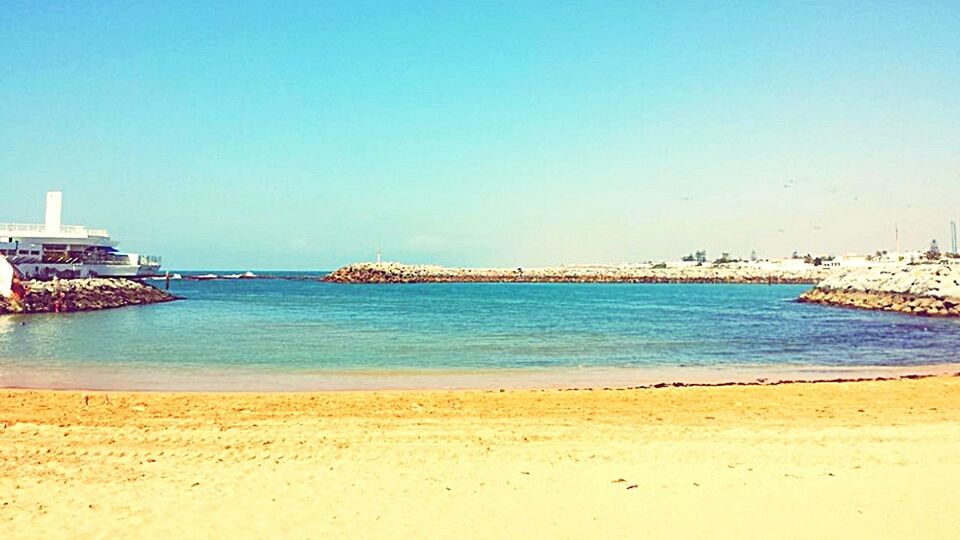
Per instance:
(68,295)
(923,289)
(406,273)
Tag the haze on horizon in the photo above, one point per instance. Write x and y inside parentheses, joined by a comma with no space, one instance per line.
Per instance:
(303,135)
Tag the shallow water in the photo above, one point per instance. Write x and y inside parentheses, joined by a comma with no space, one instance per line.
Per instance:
(276,334)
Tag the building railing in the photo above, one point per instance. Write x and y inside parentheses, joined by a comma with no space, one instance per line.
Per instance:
(33,228)
(109,259)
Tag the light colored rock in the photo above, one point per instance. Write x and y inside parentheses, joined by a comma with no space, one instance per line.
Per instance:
(67,295)
(923,289)
(403,273)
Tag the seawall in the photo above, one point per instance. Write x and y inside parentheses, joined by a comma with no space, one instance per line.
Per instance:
(923,289)
(67,295)
(407,273)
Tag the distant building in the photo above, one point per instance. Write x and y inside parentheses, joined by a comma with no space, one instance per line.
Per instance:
(849,260)
(783,263)
(902,257)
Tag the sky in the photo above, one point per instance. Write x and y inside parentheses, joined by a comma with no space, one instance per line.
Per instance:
(289,135)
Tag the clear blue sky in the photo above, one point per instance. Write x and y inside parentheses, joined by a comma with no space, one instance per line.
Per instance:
(302,135)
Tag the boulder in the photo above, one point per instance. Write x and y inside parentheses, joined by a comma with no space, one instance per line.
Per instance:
(922,289)
(68,295)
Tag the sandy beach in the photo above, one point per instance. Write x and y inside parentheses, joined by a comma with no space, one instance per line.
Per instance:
(863,459)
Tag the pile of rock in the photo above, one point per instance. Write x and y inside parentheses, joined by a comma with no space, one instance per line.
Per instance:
(67,295)
(923,289)
(406,273)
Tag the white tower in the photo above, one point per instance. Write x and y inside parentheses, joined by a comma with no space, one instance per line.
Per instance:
(54,209)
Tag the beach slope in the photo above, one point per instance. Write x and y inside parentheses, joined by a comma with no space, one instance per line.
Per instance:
(852,460)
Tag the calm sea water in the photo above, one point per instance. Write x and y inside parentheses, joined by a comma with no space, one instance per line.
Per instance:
(263,334)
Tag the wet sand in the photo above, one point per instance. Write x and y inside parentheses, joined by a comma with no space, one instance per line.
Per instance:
(861,459)
(115,378)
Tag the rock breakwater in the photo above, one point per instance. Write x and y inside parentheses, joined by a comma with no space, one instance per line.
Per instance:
(406,273)
(68,295)
(924,289)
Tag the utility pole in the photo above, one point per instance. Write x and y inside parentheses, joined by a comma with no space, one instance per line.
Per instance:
(953,236)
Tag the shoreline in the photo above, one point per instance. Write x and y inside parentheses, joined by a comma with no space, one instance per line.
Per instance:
(200,381)
(82,295)
(931,290)
(719,462)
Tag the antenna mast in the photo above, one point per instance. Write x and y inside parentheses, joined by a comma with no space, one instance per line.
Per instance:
(953,236)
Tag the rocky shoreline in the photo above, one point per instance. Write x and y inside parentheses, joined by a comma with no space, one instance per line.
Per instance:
(920,289)
(926,289)
(69,295)
(406,273)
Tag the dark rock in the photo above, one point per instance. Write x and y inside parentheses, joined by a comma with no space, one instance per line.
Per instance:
(67,295)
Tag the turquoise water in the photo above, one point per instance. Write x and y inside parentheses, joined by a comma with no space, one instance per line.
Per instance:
(242,334)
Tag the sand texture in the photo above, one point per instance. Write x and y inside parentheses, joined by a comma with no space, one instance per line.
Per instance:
(827,460)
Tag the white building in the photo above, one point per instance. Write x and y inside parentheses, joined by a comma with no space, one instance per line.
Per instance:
(53,249)
(902,257)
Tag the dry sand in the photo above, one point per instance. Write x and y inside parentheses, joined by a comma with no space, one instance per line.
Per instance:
(828,460)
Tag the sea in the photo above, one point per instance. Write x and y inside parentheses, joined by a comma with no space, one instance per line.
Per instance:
(305,334)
